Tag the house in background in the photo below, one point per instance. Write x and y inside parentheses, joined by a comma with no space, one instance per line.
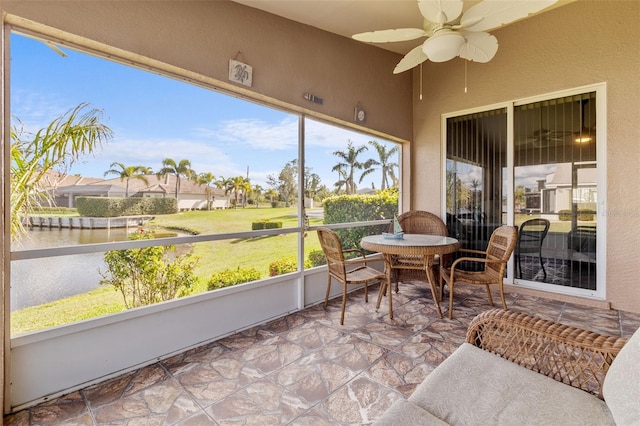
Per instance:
(65,189)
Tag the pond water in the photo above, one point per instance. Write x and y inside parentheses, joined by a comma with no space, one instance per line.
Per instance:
(38,281)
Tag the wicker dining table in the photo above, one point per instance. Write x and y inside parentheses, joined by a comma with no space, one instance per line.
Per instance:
(419,245)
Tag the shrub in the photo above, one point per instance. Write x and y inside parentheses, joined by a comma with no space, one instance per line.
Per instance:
(317,258)
(119,206)
(586,214)
(149,275)
(285,266)
(230,277)
(265,224)
(55,210)
(564,215)
(356,208)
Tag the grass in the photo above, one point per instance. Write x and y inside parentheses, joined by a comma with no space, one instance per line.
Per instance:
(214,256)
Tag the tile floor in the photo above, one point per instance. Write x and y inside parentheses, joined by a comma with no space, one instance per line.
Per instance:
(304,369)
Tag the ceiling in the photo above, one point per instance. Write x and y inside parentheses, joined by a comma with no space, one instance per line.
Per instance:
(348,17)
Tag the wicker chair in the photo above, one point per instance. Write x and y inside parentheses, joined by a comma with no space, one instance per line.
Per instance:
(412,267)
(347,271)
(501,245)
(530,237)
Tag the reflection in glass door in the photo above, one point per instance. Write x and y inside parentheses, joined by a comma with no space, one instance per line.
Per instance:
(555,187)
(476,160)
(555,181)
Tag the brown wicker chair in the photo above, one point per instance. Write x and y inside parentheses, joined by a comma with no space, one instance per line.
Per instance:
(501,245)
(347,271)
(412,267)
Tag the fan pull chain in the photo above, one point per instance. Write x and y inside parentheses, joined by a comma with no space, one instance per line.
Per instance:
(465,76)
(420,81)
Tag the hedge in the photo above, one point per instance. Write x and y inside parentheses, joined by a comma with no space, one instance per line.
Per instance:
(583,214)
(119,206)
(230,277)
(265,224)
(360,208)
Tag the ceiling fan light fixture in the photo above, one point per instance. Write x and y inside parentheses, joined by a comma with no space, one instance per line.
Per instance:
(443,46)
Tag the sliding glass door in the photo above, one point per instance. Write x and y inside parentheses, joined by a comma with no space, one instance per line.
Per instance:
(541,176)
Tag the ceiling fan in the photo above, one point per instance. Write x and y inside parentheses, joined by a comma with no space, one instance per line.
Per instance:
(450,35)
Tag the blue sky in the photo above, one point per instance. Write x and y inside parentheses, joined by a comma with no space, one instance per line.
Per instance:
(155,117)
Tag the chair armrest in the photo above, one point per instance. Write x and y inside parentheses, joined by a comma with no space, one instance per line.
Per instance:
(567,354)
(473,259)
(473,251)
(362,260)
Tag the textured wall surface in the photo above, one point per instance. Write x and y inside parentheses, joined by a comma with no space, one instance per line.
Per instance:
(583,43)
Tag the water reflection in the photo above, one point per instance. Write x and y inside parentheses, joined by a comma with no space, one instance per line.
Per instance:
(38,281)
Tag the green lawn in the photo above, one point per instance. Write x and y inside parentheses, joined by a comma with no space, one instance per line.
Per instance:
(214,256)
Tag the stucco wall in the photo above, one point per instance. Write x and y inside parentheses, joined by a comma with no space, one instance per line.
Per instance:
(579,44)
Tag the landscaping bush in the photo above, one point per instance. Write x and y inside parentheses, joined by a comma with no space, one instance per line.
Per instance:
(564,215)
(149,275)
(230,277)
(265,224)
(55,210)
(356,208)
(119,206)
(285,265)
(317,258)
(586,214)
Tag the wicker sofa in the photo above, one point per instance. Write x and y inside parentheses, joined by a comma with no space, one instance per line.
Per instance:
(518,369)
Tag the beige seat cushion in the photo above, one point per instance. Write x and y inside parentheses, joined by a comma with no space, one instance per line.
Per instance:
(403,412)
(475,387)
(621,387)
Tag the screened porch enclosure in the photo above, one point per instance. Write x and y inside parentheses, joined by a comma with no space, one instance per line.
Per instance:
(554,182)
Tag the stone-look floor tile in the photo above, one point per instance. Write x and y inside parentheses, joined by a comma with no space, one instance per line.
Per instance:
(270,355)
(260,400)
(215,380)
(313,417)
(312,335)
(109,391)
(532,305)
(630,322)
(305,368)
(164,402)
(399,372)
(361,401)
(199,419)
(382,334)
(313,378)
(597,320)
(69,408)
(18,419)
(352,353)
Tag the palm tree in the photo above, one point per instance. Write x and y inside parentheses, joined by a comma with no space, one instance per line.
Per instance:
(257,193)
(179,170)
(349,165)
(235,185)
(207,179)
(271,193)
(128,172)
(245,187)
(76,133)
(386,166)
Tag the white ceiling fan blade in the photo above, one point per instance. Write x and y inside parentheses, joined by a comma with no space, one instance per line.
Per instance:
(491,14)
(479,47)
(386,36)
(415,57)
(440,11)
